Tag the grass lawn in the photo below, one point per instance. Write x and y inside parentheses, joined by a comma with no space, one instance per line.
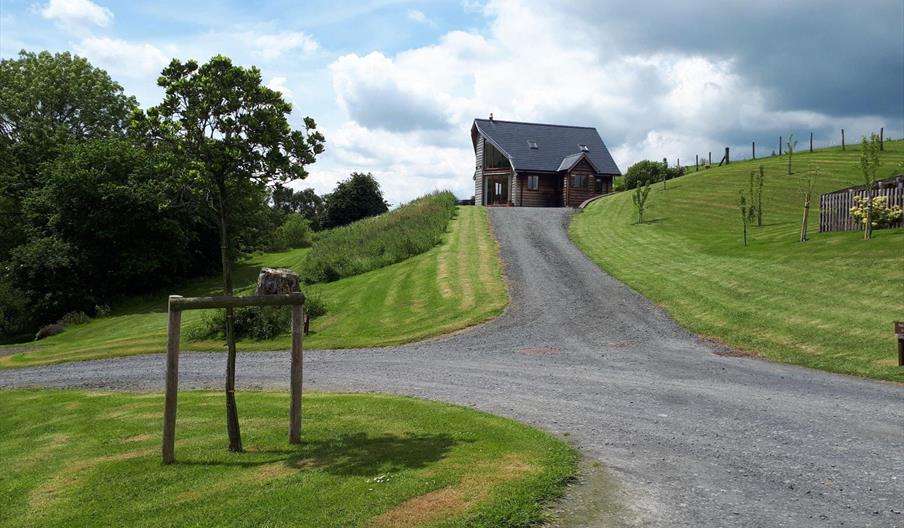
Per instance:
(76,458)
(454,285)
(828,303)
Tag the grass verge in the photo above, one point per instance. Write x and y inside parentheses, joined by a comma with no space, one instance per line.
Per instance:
(92,459)
(828,303)
(454,285)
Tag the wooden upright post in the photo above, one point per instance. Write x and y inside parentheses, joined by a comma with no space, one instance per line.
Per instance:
(753,148)
(882,138)
(295,376)
(727,159)
(710,158)
(811,141)
(780,145)
(842,139)
(172,382)
(696,162)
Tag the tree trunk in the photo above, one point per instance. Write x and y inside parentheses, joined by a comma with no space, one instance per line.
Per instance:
(803,226)
(232,414)
(868,226)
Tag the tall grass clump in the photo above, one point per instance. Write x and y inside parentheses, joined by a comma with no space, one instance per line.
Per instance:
(379,241)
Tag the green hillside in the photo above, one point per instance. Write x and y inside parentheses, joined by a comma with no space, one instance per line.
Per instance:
(828,303)
(429,294)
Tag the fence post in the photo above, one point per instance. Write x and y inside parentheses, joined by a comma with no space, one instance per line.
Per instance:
(780,145)
(753,148)
(727,159)
(710,158)
(811,141)
(696,162)
(842,139)
(882,138)
(295,376)
(172,382)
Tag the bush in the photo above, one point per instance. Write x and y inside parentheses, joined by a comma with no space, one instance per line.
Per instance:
(101,311)
(256,322)
(618,183)
(295,232)
(647,171)
(380,241)
(74,319)
(259,323)
(353,199)
(882,214)
(49,330)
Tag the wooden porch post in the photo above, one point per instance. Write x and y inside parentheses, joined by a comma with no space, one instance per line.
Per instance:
(295,376)
(172,382)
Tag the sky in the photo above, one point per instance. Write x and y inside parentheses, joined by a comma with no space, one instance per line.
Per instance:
(394,85)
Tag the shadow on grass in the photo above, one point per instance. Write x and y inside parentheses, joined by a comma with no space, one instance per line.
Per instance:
(355,454)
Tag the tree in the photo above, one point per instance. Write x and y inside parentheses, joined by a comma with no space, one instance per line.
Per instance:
(357,197)
(758,195)
(791,144)
(230,135)
(869,165)
(807,190)
(306,203)
(48,101)
(114,226)
(650,171)
(747,213)
(640,200)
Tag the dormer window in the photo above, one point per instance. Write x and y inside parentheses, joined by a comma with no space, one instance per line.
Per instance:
(584,148)
(532,144)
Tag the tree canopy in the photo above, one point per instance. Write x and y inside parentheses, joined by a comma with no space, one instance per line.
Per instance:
(357,197)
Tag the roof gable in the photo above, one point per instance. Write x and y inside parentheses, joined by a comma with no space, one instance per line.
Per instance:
(554,143)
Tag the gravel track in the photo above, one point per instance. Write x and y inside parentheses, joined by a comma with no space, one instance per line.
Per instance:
(693,436)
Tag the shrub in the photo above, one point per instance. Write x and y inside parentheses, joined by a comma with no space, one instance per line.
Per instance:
(618,183)
(74,318)
(49,330)
(647,171)
(101,311)
(357,197)
(380,241)
(882,214)
(295,232)
(259,323)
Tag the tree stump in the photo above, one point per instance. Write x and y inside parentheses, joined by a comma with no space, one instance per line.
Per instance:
(275,281)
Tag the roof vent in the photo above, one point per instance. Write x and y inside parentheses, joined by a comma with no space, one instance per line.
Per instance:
(532,144)
(584,148)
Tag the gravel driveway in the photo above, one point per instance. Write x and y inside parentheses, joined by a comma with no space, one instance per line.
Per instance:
(693,435)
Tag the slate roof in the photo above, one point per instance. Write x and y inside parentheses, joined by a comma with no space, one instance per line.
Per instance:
(558,145)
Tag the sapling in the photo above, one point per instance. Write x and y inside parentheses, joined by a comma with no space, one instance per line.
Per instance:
(869,164)
(791,144)
(746,213)
(640,200)
(807,190)
(758,196)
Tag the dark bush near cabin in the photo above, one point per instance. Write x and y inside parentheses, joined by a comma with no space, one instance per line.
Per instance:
(376,242)
(647,171)
(357,197)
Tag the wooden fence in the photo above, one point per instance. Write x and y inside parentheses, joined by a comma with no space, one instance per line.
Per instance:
(835,207)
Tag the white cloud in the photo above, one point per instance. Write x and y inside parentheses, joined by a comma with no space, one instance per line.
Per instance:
(123,58)
(77,14)
(410,113)
(419,17)
(273,46)
(279,84)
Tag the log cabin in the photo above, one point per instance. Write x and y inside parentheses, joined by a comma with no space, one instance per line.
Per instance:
(539,165)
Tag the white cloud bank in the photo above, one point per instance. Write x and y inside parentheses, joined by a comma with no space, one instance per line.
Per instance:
(409,114)
(77,15)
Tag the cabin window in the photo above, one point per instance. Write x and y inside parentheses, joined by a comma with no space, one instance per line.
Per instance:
(533,183)
(532,144)
(584,148)
(493,159)
(579,181)
(599,185)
